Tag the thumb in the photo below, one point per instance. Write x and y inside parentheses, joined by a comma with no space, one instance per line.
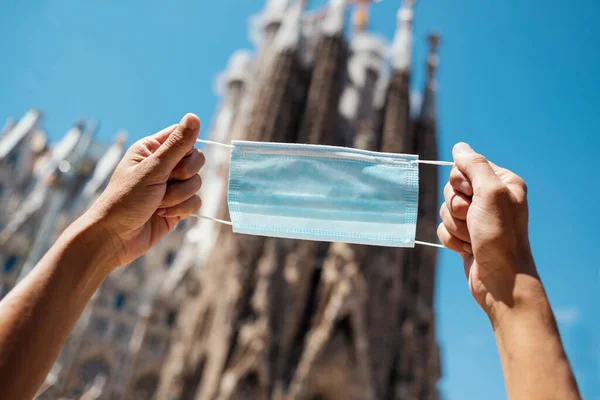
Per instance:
(474,166)
(178,143)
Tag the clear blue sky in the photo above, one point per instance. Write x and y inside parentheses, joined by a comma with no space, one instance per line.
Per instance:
(519,80)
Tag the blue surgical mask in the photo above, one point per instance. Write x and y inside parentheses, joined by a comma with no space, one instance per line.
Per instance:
(323,193)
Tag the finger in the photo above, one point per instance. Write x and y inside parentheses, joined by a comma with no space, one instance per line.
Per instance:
(455,226)
(512,180)
(148,145)
(179,191)
(189,166)
(183,209)
(163,134)
(178,143)
(452,242)
(458,204)
(460,183)
(475,167)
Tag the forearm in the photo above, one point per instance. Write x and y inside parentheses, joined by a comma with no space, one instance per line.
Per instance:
(38,314)
(533,358)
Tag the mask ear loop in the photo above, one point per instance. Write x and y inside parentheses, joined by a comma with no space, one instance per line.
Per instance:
(220,221)
(440,163)
(229,146)
(440,246)
(432,162)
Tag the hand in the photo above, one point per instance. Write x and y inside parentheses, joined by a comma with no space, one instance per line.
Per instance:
(485,219)
(152,189)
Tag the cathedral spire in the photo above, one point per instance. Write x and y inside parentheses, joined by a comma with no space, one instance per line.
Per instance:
(288,36)
(396,135)
(274,11)
(432,58)
(319,122)
(265,25)
(428,109)
(361,16)
(333,24)
(426,146)
(403,39)
(8,125)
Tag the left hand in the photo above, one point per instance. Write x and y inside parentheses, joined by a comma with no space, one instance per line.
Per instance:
(485,219)
(152,189)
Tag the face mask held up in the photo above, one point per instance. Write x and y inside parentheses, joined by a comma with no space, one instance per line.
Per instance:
(323,193)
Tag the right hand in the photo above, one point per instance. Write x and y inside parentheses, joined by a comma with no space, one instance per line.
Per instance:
(485,219)
(152,189)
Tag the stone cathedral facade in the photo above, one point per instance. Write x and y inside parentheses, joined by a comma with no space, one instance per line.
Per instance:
(209,314)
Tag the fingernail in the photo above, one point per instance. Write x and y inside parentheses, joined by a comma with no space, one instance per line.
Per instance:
(190,121)
(467,248)
(463,148)
(161,211)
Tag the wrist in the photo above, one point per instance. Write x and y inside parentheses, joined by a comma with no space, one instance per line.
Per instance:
(515,286)
(533,359)
(527,299)
(91,234)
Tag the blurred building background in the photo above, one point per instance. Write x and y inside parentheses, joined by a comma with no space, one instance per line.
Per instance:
(208,314)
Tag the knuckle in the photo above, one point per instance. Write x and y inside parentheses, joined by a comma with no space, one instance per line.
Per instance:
(521,200)
(175,140)
(446,238)
(189,169)
(448,188)
(198,181)
(455,175)
(194,183)
(448,193)
(140,144)
(454,180)
(525,188)
(446,216)
(459,207)
(458,203)
(442,233)
(478,159)
(197,202)
(521,183)
(451,227)
(496,192)
(168,195)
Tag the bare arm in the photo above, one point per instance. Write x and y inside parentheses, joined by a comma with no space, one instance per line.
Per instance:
(37,316)
(152,189)
(485,219)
